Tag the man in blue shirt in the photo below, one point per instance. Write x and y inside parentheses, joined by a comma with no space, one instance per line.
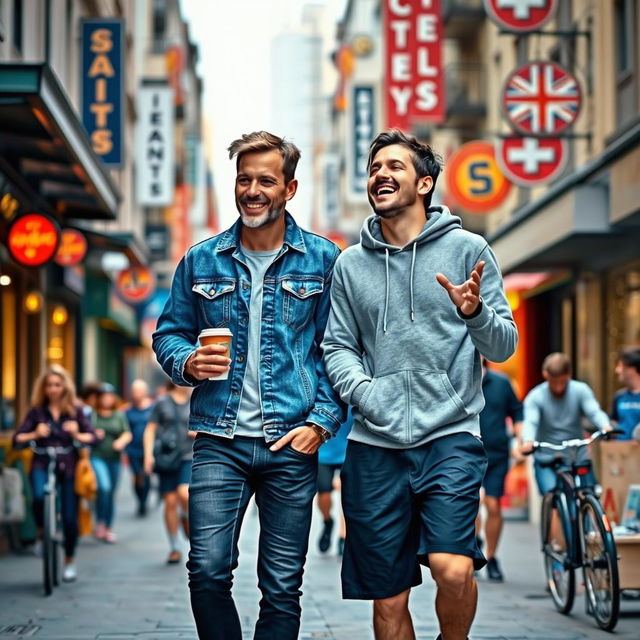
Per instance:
(259,428)
(626,404)
(500,403)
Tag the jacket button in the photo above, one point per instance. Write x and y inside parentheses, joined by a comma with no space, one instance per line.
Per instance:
(245,285)
(228,430)
(301,290)
(240,358)
(212,292)
(235,393)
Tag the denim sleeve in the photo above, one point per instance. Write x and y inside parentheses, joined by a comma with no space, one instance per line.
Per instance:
(329,411)
(176,335)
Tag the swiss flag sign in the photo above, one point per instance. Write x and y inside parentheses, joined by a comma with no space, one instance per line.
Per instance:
(520,15)
(530,162)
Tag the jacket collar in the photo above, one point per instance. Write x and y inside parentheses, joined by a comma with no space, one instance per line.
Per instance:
(292,236)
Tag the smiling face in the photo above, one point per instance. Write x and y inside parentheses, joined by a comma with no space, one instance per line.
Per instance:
(261,191)
(54,388)
(393,184)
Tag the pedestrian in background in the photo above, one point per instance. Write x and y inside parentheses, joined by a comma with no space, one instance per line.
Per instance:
(330,460)
(403,347)
(114,435)
(137,414)
(88,395)
(168,449)
(56,419)
(626,404)
(500,404)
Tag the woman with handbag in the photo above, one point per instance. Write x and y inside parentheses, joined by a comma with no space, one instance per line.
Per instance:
(56,419)
(113,430)
(168,450)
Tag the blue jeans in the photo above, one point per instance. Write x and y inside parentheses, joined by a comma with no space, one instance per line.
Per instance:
(107,474)
(68,506)
(225,474)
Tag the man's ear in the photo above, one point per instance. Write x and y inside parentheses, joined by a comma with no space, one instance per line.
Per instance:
(425,184)
(292,187)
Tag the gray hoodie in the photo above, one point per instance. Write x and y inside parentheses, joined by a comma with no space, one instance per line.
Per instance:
(395,346)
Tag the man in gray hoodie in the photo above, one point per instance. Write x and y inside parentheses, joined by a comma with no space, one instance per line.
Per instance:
(403,346)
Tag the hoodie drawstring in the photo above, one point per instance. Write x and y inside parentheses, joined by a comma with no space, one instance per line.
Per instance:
(413,271)
(386,296)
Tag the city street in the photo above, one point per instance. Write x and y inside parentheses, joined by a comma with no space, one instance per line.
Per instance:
(126,591)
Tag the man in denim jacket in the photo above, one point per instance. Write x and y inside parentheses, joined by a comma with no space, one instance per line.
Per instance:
(268,281)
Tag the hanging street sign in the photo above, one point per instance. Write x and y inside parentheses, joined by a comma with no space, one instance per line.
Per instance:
(541,99)
(135,285)
(72,249)
(530,162)
(33,239)
(474,180)
(520,15)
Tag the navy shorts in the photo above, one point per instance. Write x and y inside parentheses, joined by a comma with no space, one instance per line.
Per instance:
(402,504)
(326,473)
(170,481)
(493,482)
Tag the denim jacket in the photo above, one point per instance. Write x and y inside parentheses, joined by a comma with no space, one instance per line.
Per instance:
(212,288)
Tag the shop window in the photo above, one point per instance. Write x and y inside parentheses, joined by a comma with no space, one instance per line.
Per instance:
(626,34)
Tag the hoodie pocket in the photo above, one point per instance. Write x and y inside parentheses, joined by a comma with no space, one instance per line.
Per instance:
(405,406)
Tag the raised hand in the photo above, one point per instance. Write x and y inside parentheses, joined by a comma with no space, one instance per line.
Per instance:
(465,296)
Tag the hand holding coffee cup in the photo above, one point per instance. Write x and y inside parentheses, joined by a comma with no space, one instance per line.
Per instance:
(211,359)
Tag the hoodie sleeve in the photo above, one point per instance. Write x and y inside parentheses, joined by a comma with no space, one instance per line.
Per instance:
(341,347)
(493,330)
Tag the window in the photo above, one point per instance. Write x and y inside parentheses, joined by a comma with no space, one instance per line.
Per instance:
(159,25)
(17,25)
(625,37)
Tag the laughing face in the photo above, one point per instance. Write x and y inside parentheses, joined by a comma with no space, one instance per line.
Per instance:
(393,183)
(261,192)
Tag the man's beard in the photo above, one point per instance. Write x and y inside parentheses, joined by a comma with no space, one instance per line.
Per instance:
(251,222)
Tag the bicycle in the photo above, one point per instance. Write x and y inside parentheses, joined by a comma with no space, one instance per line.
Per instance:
(588,541)
(52,528)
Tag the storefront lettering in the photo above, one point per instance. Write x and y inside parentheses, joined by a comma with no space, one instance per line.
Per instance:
(33,239)
(156,145)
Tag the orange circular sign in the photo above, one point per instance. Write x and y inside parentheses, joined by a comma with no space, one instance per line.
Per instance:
(33,239)
(474,179)
(72,249)
(135,284)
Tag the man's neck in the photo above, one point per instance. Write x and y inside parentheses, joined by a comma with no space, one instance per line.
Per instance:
(267,238)
(403,228)
(634,386)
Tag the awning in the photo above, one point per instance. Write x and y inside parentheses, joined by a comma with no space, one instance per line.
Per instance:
(43,144)
(117,241)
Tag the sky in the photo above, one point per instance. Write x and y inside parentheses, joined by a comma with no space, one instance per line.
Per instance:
(234,39)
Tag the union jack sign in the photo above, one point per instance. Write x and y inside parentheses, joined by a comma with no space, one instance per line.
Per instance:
(541,99)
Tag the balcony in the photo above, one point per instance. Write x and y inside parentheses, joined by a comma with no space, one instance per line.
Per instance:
(466,94)
(462,18)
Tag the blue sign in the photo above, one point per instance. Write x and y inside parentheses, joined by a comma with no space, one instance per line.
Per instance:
(363,132)
(102,86)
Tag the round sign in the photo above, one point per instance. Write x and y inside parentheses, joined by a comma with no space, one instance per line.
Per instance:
(474,179)
(135,284)
(541,99)
(520,15)
(73,248)
(530,162)
(33,239)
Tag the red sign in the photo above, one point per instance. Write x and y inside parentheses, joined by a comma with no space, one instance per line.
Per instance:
(541,99)
(530,162)
(73,248)
(33,239)
(135,284)
(474,180)
(413,65)
(520,15)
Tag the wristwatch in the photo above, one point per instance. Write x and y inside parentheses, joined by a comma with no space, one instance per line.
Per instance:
(321,432)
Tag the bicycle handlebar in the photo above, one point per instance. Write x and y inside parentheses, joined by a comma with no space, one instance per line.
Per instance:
(49,451)
(575,442)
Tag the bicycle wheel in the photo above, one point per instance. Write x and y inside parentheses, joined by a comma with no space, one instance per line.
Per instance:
(600,564)
(560,575)
(48,542)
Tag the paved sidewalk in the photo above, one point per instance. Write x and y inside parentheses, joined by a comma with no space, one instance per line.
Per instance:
(126,592)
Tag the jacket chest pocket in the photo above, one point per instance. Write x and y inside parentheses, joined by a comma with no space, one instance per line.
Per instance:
(215,299)
(299,300)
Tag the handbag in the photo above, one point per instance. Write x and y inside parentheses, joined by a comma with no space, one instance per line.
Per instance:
(166,448)
(85,481)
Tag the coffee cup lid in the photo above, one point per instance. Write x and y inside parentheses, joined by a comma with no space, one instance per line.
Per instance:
(215,332)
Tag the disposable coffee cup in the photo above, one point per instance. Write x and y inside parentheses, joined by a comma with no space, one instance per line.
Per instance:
(217,336)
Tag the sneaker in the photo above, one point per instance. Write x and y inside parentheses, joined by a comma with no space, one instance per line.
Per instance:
(110,537)
(340,547)
(174,557)
(70,572)
(493,571)
(100,532)
(325,538)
